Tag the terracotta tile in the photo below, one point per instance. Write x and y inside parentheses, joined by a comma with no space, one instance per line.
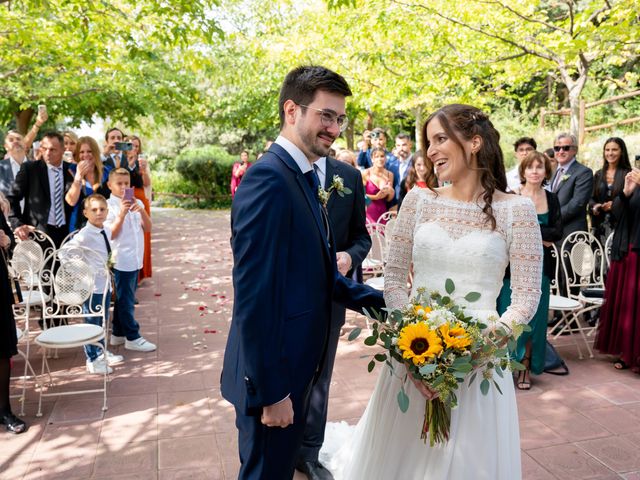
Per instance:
(183,381)
(634,408)
(535,434)
(631,476)
(78,410)
(130,458)
(532,470)
(617,392)
(74,466)
(193,474)
(615,419)
(568,462)
(575,426)
(617,453)
(14,466)
(191,452)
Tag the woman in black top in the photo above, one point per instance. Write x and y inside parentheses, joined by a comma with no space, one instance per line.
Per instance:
(607,184)
(8,337)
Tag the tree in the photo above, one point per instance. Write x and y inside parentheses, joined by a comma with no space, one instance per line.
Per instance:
(115,59)
(518,39)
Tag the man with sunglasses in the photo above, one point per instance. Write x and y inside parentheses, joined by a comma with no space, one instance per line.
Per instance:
(572,183)
(285,278)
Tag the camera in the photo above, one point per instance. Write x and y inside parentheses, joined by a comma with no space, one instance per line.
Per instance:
(124,146)
(374,134)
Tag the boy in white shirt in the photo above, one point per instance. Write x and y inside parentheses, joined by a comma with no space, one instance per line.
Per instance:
(95,236)
(128,221)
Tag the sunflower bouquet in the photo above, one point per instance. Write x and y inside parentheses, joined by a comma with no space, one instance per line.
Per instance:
(440,346)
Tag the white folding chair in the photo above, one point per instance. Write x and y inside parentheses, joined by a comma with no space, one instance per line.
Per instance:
(386,216)
(73,284)
(582,261)
(373,264)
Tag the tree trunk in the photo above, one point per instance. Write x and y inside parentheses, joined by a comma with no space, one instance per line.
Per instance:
(23,118)
(417,112)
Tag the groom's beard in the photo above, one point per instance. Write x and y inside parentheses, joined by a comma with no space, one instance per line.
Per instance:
(313,143)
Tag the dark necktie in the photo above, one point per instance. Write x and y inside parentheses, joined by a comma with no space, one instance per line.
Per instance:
(106,242)
(557,180)
(316,170)
(314,183)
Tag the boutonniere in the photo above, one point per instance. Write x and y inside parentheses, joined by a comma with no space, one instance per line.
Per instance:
(337,185)
(565,177)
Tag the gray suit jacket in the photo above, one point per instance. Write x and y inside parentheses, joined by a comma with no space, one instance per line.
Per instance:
(6,176)
(573,194)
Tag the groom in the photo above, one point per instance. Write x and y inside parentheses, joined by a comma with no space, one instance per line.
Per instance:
(285,278)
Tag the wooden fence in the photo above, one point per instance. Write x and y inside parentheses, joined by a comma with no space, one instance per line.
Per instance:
(583,129)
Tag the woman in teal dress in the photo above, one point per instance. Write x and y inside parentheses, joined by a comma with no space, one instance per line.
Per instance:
(535,171)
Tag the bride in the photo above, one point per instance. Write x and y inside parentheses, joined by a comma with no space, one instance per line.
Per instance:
(467,231)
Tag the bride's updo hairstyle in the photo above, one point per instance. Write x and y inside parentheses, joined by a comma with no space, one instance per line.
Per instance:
(465,121)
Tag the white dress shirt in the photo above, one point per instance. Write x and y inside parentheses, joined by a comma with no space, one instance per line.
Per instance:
(52,193)
(513,179)
(300,158)
(128,246)
(90,237)
(320,166)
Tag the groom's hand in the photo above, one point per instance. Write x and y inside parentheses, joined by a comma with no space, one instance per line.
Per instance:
(279,414)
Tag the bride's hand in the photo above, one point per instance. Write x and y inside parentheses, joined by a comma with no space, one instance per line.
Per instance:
(426,392)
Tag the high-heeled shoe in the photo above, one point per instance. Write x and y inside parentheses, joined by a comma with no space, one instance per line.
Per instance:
(12,423)
(524,376)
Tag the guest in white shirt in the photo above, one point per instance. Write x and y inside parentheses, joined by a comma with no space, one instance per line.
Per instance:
(96,237)
(523,146)
(127,220)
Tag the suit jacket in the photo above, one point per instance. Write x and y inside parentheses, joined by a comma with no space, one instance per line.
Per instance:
(573,194)
(6,177)
(347,213)
(32,185)
(284,278)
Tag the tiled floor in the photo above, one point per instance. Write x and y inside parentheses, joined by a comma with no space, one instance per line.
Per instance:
(166,419)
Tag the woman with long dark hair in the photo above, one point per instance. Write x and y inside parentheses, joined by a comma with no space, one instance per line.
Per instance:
(416,176)
(467,231)
(619,329)
(608,182)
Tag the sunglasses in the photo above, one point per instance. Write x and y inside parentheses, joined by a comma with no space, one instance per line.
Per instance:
(564,148)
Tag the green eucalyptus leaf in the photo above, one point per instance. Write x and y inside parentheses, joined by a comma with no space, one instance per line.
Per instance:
(484,386)
(371,366)
(355,333)
(403,400)
(449,286)
(427,369)
(472,297)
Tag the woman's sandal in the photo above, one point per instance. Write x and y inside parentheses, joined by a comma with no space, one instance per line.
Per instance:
(620,364)
(524,379)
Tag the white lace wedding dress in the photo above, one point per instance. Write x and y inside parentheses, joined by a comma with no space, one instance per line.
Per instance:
(443,239)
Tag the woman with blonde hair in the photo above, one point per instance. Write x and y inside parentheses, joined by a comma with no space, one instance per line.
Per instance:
(87,171)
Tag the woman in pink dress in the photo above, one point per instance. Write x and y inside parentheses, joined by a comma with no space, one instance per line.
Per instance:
(238,170)
(378,185)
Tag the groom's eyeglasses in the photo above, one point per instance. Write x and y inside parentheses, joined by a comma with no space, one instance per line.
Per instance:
(328,118)
(564,148)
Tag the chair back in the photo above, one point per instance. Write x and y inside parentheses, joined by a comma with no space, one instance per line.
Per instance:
(27,260)
(386,216)
(607,250)
(373,264)
(75,272)
(582,260)
(44,240)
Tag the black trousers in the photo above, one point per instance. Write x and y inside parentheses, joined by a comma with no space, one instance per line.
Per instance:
(319,398)
(269,453)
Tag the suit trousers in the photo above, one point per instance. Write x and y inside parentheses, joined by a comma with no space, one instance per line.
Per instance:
(269,453)
(319,397)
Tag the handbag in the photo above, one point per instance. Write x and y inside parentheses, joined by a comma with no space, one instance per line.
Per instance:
(553,362)
(14,282)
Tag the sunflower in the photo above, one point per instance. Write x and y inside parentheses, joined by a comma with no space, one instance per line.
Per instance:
(454,337)
(419,343)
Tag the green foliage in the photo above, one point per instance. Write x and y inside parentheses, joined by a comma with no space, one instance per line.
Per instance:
(207,168)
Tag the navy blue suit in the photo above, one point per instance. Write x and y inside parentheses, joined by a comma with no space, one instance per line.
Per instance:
(284,278)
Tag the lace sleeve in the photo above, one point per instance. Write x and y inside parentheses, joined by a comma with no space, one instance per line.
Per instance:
(396,270)
(525,257)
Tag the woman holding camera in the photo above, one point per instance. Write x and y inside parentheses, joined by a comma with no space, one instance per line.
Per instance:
(140,180)
(87,169)
(238,170)
(608,182)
